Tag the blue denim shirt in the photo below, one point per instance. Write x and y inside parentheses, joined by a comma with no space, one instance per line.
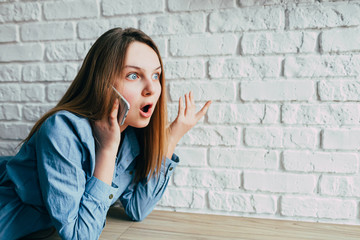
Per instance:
(50,182)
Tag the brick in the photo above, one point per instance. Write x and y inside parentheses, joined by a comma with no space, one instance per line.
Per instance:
(329,114)
(92,29)
(70,9)
(174,24)
(275,43)
(33,93)
(10,73)
(344,186)
(212,136)
(185,198)
(22,53)
(10,93)
(192,177)
(277,91)
(8,33)
(183,69)
(241,20)
(330,162)
(275,137)
(195,5)
(33,113)
(278,182)
(342,139)
(49,72)
(10,112)
(298,206)
(56,91)
(339,90)
(241,202)
(8,148)
(340,40)
(18,12)
(248,3)
(203,45)
(47,31)
(67,51)
(245,67)
(192,157)
(14,131)
(318,66)
(203,91)
(114,8)
(123,22)
(162,45)
(324,15)
(245,158)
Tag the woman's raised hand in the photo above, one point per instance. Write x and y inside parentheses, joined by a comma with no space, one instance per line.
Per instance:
(186,119)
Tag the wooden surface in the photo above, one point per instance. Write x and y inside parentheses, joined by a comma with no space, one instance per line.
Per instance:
(184,226)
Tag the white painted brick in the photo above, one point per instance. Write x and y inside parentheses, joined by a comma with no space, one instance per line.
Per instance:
(181,69)
(49,72)
(236,113)
(47,31)
(32,93)
(70,9)
(14,131)
(276,137)
(194,5)
(318,207)
(10,73)
(184,198)
(35,112)
(56,91)
(193,177)
(8,148)
(212,136)
(67,51)
(324,15)
(10,112)
(203,91)
(242,202)
(332,162)
(245,67)
(265,18)
(23,52)
(192,157)
(203,45)
(248,3)
(277,91)
(344,139)
(279,182)
(340,40)
(243,158)
(281,42)
(174,24)
(18,12)
(339,90)
(92,29)
(113,8)
(162,45)
(8,33)
(123,22)
(346,186)
(10,92)
(329,114)
(317,66)
(272,113)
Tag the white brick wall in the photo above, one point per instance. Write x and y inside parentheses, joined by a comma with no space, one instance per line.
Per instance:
(282,137)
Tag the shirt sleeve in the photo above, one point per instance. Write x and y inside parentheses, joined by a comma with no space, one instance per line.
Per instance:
(139,199)
(77,203)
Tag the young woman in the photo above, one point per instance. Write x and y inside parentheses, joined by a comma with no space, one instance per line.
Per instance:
(78,160)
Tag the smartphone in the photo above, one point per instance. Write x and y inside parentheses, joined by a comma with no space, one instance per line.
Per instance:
(124,107)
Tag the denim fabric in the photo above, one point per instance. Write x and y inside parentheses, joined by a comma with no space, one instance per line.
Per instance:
(50,182)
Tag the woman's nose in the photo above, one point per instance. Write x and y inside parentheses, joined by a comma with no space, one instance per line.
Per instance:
(149,87)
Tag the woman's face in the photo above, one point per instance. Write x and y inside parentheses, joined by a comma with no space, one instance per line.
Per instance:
(139,83)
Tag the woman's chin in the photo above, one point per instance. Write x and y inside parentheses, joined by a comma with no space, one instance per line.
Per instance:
(140,124)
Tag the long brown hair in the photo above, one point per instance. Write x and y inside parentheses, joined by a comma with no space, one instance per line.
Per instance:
(90,95)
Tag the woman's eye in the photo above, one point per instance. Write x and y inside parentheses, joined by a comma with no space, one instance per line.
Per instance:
(156,76)
(132,76)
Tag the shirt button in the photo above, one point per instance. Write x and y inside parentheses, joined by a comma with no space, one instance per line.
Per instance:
(111,196)
(171,168)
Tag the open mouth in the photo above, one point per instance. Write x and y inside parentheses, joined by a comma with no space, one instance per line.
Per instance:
(146,108)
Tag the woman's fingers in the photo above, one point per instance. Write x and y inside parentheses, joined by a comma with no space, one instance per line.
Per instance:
(203,111)
(114,111)
(181,107)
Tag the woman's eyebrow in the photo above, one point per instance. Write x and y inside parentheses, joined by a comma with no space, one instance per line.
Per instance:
(132,66)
